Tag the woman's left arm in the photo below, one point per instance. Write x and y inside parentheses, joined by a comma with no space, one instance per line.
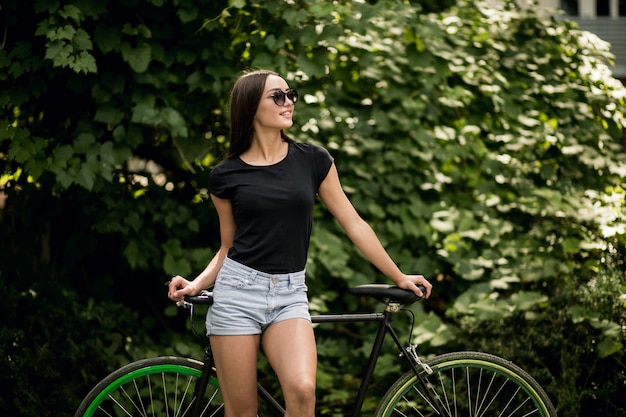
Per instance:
(362,235)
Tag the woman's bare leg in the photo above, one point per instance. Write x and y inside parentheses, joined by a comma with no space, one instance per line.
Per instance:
(290,349)
(236,364)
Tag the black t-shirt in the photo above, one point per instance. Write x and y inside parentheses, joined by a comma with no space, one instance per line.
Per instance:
(273,206)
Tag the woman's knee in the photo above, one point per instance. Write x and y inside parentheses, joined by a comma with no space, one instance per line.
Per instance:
(301,392)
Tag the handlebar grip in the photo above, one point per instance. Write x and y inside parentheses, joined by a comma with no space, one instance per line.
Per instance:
(204,298)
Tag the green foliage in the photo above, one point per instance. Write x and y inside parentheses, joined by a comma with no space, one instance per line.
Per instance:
(56,346)
(482,145)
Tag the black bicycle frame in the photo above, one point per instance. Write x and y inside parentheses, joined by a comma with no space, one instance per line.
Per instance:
(384,319)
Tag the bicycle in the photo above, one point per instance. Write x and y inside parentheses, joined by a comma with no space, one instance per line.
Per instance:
(468,384)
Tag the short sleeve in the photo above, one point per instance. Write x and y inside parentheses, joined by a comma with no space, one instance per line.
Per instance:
(218,184)
(322,161)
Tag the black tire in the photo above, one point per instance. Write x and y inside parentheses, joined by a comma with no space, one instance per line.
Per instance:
(468,384)
(156,387)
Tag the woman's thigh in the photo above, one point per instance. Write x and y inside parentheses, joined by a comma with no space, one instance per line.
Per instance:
(236,364)
(290,348)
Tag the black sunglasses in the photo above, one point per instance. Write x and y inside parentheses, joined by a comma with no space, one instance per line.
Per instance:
(279,97)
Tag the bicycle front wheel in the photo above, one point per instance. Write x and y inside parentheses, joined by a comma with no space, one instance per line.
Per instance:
(468,384)
(152,387)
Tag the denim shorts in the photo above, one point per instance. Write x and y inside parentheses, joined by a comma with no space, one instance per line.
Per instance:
(247,301)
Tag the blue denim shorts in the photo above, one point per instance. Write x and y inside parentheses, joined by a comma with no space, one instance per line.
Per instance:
(247,301)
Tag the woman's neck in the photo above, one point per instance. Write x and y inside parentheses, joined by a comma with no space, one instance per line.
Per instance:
(265,150)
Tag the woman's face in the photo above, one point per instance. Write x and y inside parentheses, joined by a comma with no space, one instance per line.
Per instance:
(269,115)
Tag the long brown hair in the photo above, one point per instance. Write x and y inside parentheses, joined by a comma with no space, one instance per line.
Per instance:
(244,101)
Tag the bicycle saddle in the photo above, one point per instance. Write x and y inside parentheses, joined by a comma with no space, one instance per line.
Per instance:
(387,292)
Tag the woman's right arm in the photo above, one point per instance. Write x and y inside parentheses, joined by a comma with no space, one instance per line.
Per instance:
(179,286)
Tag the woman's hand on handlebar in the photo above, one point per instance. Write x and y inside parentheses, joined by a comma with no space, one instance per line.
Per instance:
(179,287)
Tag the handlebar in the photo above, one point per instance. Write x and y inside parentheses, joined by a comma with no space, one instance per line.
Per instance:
(204,298)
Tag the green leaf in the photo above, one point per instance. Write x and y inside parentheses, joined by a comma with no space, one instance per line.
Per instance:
(132,253)
(330,253)
(144,111)
(608,347)
(432,330)
(444,221)
(86,177)
(490,309)
(525,300)
(175,122)
(578,313)
(70,11)
(608,328)
(82,41)
(85,63)
(237,4)
(176,265)
(107,154)
(107,113)
(84,143)
(464,303)
(138,57)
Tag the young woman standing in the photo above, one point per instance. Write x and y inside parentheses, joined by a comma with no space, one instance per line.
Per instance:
(264,192)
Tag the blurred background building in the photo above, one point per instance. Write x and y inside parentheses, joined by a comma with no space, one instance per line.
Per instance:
(605,18)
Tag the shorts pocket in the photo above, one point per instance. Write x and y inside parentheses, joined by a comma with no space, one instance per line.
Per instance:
(235,279)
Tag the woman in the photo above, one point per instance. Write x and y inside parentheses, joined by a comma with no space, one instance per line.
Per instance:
(264,193)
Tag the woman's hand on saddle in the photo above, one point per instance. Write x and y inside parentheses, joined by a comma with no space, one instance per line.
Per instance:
(411,283)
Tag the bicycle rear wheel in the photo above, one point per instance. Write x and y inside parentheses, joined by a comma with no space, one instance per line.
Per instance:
(468,384)
(156,387)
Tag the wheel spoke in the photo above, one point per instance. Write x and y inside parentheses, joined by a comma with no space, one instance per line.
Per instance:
(469,392)
(442,392)
(138,396)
